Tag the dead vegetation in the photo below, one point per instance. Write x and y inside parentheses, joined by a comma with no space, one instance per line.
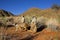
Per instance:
(40,31)
(47,26)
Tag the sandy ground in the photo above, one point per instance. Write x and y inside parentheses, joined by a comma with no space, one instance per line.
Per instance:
(11,34)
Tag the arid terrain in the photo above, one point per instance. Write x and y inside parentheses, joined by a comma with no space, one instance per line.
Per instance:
(48,25)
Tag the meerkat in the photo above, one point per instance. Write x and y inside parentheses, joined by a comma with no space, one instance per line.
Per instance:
(33,24)
(34,20)
(22,26)
(22,19)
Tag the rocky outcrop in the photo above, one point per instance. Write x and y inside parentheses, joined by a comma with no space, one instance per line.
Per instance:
(4,13)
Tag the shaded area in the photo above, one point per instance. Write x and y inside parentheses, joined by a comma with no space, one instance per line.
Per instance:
(41,27)
(28,28)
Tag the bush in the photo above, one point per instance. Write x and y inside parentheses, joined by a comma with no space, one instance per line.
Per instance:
(52,24)
(42,20)
(55,6)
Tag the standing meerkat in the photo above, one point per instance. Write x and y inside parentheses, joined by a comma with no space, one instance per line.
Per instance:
(33,24)
(34,20)
(22,19)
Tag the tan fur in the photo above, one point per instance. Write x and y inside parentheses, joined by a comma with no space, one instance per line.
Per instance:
(22,26)
(33,27)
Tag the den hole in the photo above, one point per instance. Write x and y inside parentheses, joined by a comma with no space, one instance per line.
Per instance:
(41,28)
(28,27)
(10,25)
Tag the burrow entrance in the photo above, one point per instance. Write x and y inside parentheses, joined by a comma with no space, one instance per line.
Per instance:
(42,27)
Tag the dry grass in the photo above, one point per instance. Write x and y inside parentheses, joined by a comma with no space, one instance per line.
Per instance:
(52,24)
(43,16)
